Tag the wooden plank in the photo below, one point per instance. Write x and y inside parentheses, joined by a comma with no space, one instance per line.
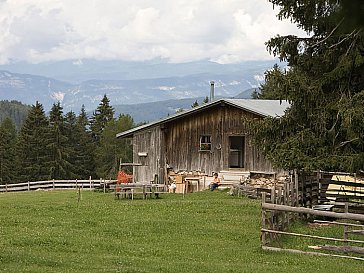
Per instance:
(345,249)
(311,236)
(309,252)
(351,216)
(338,223)
(359,232)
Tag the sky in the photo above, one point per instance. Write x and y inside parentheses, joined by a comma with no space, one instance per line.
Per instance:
(224,31)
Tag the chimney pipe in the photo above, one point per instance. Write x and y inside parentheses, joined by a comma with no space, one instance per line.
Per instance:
(212,91)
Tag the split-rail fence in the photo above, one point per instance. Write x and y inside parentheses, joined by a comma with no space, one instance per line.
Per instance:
(89,184)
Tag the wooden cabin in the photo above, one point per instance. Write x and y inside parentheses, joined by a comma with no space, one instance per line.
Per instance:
(209,138)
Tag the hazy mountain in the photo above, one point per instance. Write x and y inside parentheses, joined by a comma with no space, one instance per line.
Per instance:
(151,111)
(30,88)
(77,71)
(124,82)
(246,94)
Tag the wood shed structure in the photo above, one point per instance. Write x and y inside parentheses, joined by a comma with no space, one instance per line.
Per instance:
(209,138)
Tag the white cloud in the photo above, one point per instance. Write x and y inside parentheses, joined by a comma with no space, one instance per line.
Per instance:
(179,30)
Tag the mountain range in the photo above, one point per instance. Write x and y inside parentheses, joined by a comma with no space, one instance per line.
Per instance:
(127,84)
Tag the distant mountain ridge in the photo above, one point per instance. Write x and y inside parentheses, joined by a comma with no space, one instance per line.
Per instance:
(77,71)
(160,82)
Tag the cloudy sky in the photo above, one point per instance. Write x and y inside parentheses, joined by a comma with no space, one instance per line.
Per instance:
(226,31)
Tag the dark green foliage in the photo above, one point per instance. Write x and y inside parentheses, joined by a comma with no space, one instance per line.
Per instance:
(8,137)
(62,147)
(32,149)
(58,144)
(206,99)
(195,104)
(324,127)
(80,145)
(112,150)
(14,110)
(274,85)
(103,114)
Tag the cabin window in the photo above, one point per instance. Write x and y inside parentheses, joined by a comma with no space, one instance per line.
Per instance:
(205,143)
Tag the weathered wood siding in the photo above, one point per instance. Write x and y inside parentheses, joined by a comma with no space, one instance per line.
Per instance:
(234,124)
(149,141)
(177,143)
(183,136)
(183,141)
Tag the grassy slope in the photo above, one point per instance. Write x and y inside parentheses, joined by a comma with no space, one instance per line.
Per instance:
(205,232)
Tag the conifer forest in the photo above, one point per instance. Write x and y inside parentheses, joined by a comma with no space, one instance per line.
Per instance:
(62,145)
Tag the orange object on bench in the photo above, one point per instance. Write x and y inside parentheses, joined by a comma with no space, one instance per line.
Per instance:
(123,177)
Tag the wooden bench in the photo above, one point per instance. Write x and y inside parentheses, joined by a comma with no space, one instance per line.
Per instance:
(129,190)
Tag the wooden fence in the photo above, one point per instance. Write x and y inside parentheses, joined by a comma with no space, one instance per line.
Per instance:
(321,187)
(57,184)
(277,217)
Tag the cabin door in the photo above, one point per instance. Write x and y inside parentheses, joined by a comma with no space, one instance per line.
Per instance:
(236,151)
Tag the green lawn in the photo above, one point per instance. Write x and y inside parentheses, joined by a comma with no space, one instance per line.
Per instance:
(205,232)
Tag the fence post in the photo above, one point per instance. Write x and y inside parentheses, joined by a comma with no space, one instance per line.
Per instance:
(291,192)
(28,186)
(104,186)
(346,237)
(53,184)
(90,182)
(296,187)
(6,187)
(263,239)
(286,203)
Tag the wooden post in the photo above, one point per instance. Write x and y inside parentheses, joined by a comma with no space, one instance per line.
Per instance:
(291,192)
(53,184)
(28,186)
(6,187)
(79,194)
(279,202)
(296,187)
(272,213)
(346,228)
(286,193)
(273,195)
(104,186)
(263,234)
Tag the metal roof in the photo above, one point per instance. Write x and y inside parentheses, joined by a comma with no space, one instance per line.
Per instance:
(264,108)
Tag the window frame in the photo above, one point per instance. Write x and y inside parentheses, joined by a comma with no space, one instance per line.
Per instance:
(205,143)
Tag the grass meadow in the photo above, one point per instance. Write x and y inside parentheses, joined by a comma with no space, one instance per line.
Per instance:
(204,232)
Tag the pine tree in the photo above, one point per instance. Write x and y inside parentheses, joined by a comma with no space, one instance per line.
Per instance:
(195,104)
(272,88)
(82,119)
(81,146)
(103,114)
(73,135)
(112,150)
(324,127)
(32,150)
(8,136)
(206,99)
(57,144)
